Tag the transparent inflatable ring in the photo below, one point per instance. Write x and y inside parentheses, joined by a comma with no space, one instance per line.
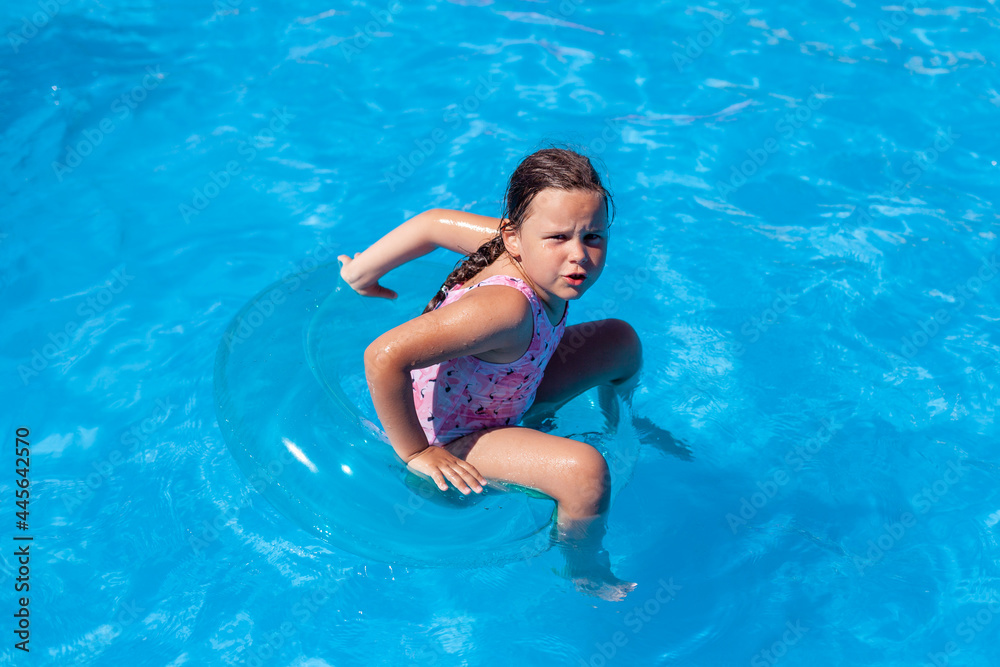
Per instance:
(294,409)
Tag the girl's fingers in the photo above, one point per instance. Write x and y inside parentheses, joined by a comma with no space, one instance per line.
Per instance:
(472,470)
(439,480)
(473,480)
(456,478)
(379,291)
(459,482)
(469,479)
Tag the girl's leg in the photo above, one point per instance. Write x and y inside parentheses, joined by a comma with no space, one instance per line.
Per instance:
(574,474)
(604,353)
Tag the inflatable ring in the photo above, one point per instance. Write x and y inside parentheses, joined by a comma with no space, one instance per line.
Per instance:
(294,409)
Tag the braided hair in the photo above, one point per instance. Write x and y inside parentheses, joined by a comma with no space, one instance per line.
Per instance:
(558,168)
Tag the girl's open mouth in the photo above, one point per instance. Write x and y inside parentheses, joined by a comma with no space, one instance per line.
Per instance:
(576,278)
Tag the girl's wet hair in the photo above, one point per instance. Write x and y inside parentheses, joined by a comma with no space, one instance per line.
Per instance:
(559,168)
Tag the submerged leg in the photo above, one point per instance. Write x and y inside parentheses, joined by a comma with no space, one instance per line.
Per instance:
(574,474)
(606,354)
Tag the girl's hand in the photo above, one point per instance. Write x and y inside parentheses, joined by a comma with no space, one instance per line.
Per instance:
(371,289)
(438,463)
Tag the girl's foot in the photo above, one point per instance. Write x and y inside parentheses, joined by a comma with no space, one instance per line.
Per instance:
(591,573)
(612,588)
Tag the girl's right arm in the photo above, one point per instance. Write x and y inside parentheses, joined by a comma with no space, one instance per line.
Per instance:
(437,228)
(491,317)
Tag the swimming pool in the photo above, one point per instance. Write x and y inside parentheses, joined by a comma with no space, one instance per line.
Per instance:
(806,242)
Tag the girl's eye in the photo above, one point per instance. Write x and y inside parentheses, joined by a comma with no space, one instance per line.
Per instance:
(592,237)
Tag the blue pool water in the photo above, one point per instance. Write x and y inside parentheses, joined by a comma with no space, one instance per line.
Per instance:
(806,243)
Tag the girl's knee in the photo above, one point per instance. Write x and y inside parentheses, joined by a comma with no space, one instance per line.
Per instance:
(591,481)
(629,347)
(623,330)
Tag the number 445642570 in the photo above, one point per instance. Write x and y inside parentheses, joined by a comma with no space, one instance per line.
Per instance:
(22,466)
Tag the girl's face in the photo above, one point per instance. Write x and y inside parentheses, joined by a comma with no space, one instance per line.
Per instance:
(562,244)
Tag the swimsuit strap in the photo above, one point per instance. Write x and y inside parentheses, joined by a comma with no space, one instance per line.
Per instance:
(510,281)
(536,302)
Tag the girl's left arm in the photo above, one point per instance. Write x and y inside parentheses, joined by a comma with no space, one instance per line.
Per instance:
(437,228)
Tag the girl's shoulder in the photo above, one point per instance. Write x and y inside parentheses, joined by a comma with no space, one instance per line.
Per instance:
(500,280)
(492,319)
(491,314)
(493,290)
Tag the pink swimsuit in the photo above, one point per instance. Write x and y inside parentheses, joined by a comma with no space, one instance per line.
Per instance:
(466,394)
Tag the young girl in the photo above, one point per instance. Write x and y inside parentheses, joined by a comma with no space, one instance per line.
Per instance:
(452,385)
